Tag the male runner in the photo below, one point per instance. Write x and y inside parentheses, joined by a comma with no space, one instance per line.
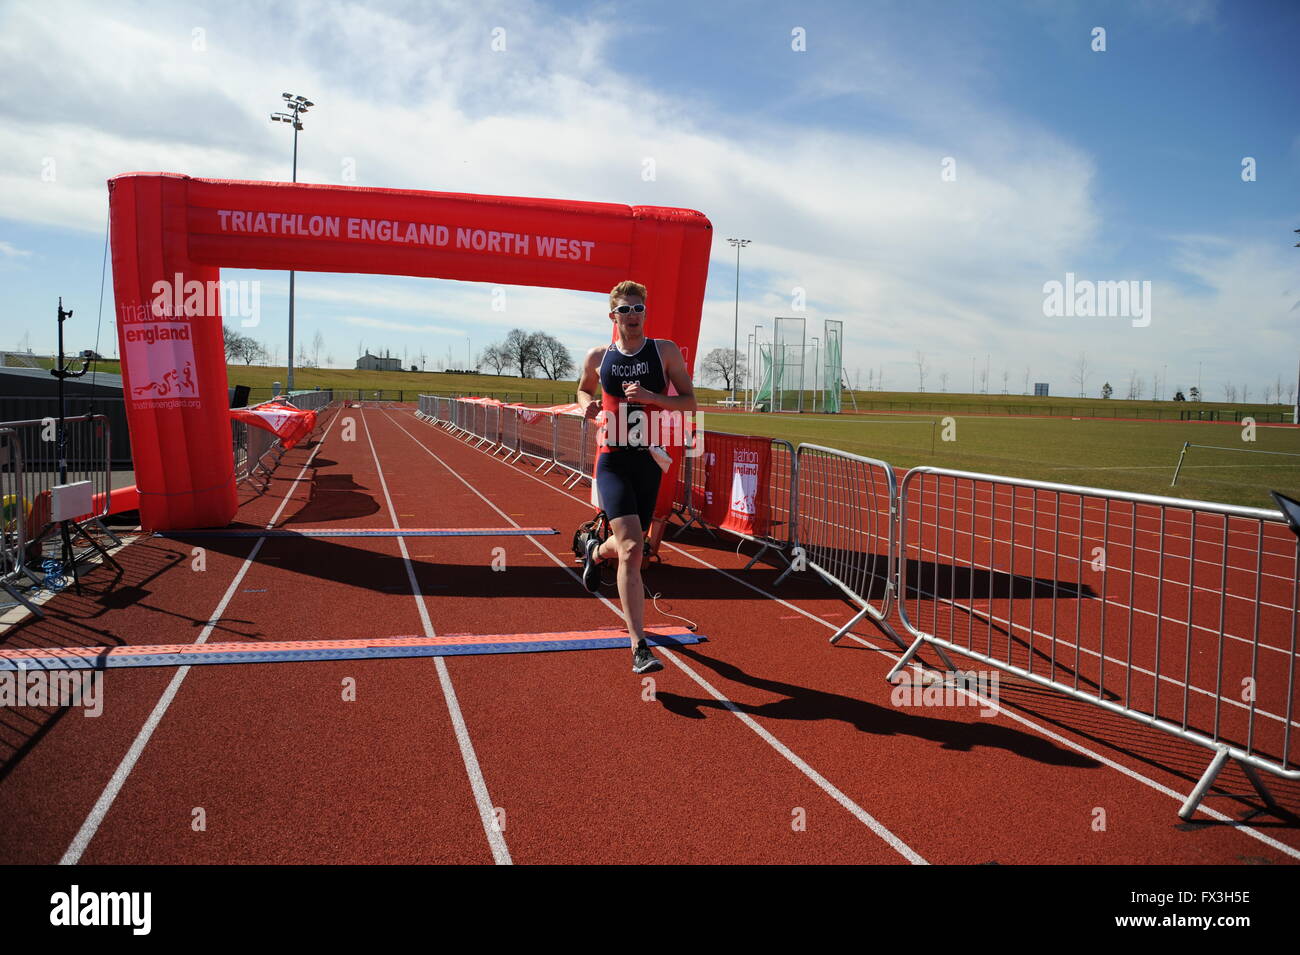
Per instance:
(634,371)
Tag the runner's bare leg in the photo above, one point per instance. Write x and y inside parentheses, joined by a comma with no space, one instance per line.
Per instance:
(626,543)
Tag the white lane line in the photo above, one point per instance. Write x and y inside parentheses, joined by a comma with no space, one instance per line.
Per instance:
(97,813)
(486,811)
(901,847)
(1025,721)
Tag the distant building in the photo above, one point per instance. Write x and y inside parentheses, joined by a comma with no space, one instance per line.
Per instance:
(1040,389)
(369,362)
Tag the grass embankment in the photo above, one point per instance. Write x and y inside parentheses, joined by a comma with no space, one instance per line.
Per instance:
(1134,455)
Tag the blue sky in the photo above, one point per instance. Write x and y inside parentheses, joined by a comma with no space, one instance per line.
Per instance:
(1116,166)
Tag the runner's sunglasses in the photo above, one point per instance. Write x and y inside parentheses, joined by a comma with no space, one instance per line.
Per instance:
(624,309)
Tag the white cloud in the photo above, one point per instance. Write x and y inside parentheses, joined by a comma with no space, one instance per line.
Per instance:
(413,96)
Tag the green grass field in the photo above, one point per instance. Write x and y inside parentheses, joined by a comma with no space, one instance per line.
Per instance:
(997,434)
(1123,455)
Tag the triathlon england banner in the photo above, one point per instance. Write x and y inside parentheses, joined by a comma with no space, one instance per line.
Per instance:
(737,472)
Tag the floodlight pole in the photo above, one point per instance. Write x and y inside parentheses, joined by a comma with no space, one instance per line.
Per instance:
(297,105)
(735,328)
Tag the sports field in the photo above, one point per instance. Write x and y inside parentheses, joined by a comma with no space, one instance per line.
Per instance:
(1116,454)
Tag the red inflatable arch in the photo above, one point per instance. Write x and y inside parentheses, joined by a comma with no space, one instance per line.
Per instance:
(171,231)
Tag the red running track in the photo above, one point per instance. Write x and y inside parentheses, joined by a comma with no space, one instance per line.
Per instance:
(765,744)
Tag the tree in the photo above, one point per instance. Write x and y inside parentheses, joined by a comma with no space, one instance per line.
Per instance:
(495,357)
(521,351)
(317,343)
(921,368)
(1081,374)
(231,339)
(1134,385)
(943,380)
(553,357)
(1107,390)
(716,366)
(251,351)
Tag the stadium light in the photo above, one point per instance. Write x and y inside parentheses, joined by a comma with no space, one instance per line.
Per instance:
(735,328)
(296,106)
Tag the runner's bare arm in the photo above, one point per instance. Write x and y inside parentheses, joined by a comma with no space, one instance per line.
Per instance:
(589,381)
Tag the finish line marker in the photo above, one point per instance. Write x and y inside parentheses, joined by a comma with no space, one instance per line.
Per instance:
(358,532)
(298,651)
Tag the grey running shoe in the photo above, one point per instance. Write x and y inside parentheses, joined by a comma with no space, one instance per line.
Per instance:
(591,568)
(643,661)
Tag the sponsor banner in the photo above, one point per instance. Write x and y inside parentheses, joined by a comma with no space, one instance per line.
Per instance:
(737,470)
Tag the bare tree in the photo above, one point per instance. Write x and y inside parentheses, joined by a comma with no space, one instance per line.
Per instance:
(1026,379)
(521,350)
(921,368)
(1080,375)
(1005,375)
(984,381)
(495,357)
(1245,394)
(317,343)
(943,380)
(554,358)
(716,366)
(231,338)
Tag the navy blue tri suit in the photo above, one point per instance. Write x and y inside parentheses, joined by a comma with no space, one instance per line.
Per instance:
(627,477)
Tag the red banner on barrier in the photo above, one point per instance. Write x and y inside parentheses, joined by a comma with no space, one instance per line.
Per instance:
(737,472)
(286,422)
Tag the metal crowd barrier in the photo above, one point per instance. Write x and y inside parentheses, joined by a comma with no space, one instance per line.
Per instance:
(845,507)
(780,517)
(258,450)
(32,469)
(13,534)
(1181,615)
(570,446)
(536,437)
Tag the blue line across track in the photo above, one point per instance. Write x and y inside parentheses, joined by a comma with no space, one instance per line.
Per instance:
(106,658)
(359,532)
